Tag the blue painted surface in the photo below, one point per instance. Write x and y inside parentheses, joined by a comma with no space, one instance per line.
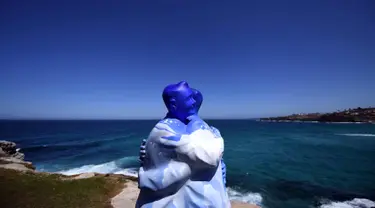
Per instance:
(166,178)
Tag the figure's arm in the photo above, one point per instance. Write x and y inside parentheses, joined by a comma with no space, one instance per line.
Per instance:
(223,166)
(165,174)
(199,149)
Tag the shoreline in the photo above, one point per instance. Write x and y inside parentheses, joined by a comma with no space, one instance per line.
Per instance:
(124,186)
(350,115)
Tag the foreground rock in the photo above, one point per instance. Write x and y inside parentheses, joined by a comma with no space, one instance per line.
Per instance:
(9,149)
(11,158)
(2,153)
(128,197)
(238,204)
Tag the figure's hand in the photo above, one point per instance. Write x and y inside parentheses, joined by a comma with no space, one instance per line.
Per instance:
(142,151)
(201,150)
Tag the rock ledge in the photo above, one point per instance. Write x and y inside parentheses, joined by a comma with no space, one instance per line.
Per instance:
(12,158)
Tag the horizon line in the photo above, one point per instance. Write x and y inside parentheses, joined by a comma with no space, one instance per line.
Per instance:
(107,119)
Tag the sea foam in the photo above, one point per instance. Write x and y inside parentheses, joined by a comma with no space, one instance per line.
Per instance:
(358,135)
(117,167)
(355,203)
(246,197)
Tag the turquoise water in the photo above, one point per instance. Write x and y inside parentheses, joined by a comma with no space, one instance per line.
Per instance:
(270,164)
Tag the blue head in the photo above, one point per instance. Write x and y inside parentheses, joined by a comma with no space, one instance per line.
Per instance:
(178,98)
(198,97)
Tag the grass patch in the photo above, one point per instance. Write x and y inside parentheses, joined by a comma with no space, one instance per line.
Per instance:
(30,190)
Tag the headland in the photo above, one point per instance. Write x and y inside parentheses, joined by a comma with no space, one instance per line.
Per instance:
(351,115)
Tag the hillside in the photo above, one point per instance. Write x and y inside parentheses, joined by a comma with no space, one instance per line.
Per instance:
(364,115)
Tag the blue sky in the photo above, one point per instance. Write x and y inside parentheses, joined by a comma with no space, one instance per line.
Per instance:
(112,59)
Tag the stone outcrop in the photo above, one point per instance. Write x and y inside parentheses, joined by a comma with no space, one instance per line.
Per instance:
(238,204)
(84,175)
(9,149)
(2,153)
(11,158)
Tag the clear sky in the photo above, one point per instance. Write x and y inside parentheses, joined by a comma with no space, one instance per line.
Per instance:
(112,59)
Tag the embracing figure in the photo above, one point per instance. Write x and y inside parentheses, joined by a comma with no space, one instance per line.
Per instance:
(182,162)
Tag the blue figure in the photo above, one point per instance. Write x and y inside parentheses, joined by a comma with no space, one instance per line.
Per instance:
(198,97)
(182,157)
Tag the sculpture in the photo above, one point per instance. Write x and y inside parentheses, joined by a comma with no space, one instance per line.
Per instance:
(197,96)
(183,164)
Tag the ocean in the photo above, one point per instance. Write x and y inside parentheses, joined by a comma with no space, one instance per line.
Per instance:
(275,165)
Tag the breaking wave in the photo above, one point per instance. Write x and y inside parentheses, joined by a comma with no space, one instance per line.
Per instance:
(355,203)
(128,166)
(358,135)
(125,166)
(246,197)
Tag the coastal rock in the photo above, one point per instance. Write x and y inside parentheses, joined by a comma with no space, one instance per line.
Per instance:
(2,153)
(238,204)
(85,175)
(355,115)
(9,162)
(8,147)
(15,160)
(19,155)
(15,166)
(127,197)
(11,158)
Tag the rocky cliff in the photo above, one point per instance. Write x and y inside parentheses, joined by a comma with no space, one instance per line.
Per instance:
(12,158)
